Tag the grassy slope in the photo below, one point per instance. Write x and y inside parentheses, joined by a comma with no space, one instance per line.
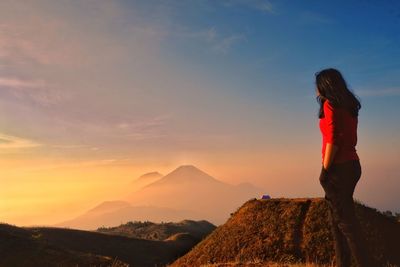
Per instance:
(21,247)
(48,246)
(289,231)
(161,231)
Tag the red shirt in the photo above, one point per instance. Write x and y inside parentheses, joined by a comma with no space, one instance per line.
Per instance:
(339,127)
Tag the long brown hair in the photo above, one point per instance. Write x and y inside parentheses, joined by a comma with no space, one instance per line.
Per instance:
(332,86)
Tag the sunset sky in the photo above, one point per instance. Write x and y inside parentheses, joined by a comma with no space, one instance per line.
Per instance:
(94,93)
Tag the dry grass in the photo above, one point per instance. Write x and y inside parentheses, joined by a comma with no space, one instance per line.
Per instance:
(266,264)
(289,232)
(271,264)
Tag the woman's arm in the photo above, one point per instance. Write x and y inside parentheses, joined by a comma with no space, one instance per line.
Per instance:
(330,152)
(332,142)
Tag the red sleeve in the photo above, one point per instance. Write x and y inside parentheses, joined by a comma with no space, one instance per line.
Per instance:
(331,123)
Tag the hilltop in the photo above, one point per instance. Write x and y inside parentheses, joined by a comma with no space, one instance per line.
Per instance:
(289,231)
(161,231)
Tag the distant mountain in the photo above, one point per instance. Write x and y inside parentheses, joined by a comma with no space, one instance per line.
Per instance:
(161,231)
(109,206)
(190,188)
(279,232)
(185,193)
(184,174)
(113,213)
(146,179)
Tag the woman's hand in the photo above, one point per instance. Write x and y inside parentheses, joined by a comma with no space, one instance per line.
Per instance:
(330,152)
(323,176)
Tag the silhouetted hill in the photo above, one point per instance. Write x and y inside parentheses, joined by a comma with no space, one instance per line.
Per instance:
(161,231)
(289,231)
(45,246)
(27,247)
(190,188)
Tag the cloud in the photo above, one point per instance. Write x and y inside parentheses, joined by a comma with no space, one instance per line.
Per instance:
(82,163)
(70,146)
(17,83)
(379,92)
(261,5)
(9,142)
(224,45)
(95,135)
(37,90)
(61,34)
(144,129)
(145,124)
(89,64)
(23,44)
(217,42)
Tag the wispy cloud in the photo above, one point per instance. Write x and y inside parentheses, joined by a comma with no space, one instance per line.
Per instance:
(144,129)
(36,90)
(17,83)
(216,41)
(31,34)
(261,5)
(224,45)
(82,163)
(67,146)
(145,124)
(9,142)
(21,44)
(378,92)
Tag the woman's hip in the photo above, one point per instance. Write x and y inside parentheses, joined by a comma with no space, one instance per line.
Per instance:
(342,177)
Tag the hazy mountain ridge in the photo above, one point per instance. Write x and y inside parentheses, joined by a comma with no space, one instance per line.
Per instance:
(189,188)
(185,193)
(145,179)
(108,206)
(98,217)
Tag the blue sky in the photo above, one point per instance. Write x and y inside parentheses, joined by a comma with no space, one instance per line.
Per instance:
(97,89)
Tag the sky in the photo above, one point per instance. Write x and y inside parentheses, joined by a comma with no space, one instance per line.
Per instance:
(95,93)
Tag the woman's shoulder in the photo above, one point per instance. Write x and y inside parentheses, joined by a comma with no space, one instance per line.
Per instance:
(331,108)
(329,105)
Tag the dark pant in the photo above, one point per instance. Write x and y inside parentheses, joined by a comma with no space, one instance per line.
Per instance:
(339,183)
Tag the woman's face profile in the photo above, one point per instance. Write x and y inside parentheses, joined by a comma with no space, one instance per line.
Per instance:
(317,91)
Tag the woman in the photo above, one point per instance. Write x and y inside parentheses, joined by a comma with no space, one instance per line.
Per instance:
(341,167)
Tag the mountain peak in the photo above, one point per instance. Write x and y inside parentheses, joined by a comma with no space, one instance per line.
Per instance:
(150,175)
(188,167)
(187,173)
